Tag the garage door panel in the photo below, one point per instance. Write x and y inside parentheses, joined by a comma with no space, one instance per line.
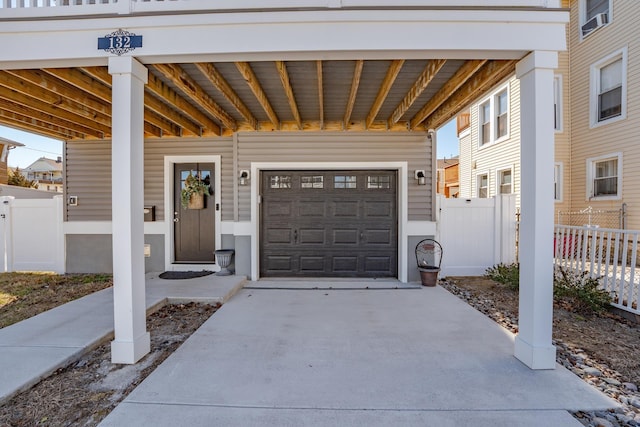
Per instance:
(329,223)
(312,236)
(345,237)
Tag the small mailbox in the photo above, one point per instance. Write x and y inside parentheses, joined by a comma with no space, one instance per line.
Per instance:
(150,213)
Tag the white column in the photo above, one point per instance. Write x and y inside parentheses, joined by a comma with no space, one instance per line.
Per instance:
(132,341)
(533,343)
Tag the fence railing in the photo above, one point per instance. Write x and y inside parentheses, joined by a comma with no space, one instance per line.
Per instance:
(607,254)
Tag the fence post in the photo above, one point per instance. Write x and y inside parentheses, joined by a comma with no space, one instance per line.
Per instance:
(6,236)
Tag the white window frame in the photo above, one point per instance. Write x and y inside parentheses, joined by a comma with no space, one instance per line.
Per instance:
(477,192)
(558,181)
(492,100)
(499,173)
(583,18)
(620,54)
(494,117)
(557,102)
(591,172)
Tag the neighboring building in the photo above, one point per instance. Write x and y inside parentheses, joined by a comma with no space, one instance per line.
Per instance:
(596,116)
(447,177)
(311,122)
(47,173)
(5,146)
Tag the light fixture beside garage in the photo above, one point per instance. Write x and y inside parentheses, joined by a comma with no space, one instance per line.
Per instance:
(421,177)
(244,177)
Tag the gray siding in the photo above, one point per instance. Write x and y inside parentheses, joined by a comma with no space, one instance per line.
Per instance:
(414,148)
(88,167)
(88,174)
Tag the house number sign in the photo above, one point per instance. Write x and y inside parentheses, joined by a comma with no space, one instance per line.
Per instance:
(119,42)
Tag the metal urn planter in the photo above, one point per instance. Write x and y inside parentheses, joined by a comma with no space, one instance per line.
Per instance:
(223,259)
(429,259)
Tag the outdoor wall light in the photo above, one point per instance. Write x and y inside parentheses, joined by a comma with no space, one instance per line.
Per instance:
(421,177)
(244,177)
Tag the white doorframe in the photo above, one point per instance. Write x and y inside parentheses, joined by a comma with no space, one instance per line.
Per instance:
(169,242)
(401,167)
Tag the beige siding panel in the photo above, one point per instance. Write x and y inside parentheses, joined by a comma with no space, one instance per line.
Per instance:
(620,136)
(339,147)
(88,176)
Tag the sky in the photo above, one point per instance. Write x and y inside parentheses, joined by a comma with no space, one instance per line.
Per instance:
(448,140)
(36,146)
(39,146)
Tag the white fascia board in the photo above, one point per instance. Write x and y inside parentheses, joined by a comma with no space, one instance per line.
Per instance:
(291,35)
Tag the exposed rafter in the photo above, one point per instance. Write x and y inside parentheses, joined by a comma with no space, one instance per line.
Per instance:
(487,77)
(288,90)
(191,89)
(30,124)
(459,78)
(162,91)
(385,87)
(355,84)
(416,90)
(254,84)
(219,82)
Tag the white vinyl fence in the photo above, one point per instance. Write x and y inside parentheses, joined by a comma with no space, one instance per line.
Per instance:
(476,234)
(610,255)
(31,236)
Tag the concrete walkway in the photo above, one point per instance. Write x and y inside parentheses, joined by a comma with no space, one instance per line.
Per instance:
(34,348)
(342,357)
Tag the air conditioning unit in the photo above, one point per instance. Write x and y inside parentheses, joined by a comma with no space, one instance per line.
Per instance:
(594,23)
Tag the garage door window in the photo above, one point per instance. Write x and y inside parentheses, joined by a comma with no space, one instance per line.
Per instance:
(342,181)
(281,181)
(378,182)
(316,181)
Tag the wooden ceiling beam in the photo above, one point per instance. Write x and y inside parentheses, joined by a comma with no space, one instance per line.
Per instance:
(32,125)
(82,81)
(99,73)
(167,127)
(254,84)
(463,74)
(486,78)
(60,88)
(94,122)
(49,118)
(220,83)
(385,87)
(152,130)
(191,89)
(288,90)
(355,84)
(158,88)
(320,92)
(421,83)
(163,110)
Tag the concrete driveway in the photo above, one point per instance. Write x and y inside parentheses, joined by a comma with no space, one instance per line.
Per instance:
(342,357)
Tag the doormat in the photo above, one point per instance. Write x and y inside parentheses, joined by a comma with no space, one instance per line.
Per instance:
(179,275)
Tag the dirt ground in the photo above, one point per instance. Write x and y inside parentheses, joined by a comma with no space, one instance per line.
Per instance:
(23,295)
(86,391)
(607,338)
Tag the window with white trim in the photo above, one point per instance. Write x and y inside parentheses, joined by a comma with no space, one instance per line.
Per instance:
(557,103)
(593,15)
(502,114)
(505,181)
(493,118)
(485,123)
(608,89)
(557,181)
(483,185)
(604,177)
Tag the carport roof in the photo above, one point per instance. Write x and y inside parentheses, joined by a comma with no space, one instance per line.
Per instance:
(219,98)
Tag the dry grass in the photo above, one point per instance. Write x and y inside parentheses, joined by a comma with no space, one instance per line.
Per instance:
(23,295)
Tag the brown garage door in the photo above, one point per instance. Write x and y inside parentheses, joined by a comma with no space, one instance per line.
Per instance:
(329,223)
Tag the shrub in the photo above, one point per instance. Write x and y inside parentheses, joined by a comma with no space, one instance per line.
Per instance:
(581,292)
(508,274)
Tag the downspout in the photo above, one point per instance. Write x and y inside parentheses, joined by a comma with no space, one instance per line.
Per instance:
(432,136)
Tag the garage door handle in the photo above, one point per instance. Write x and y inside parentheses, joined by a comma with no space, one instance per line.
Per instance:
(362,237)
(295,236)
